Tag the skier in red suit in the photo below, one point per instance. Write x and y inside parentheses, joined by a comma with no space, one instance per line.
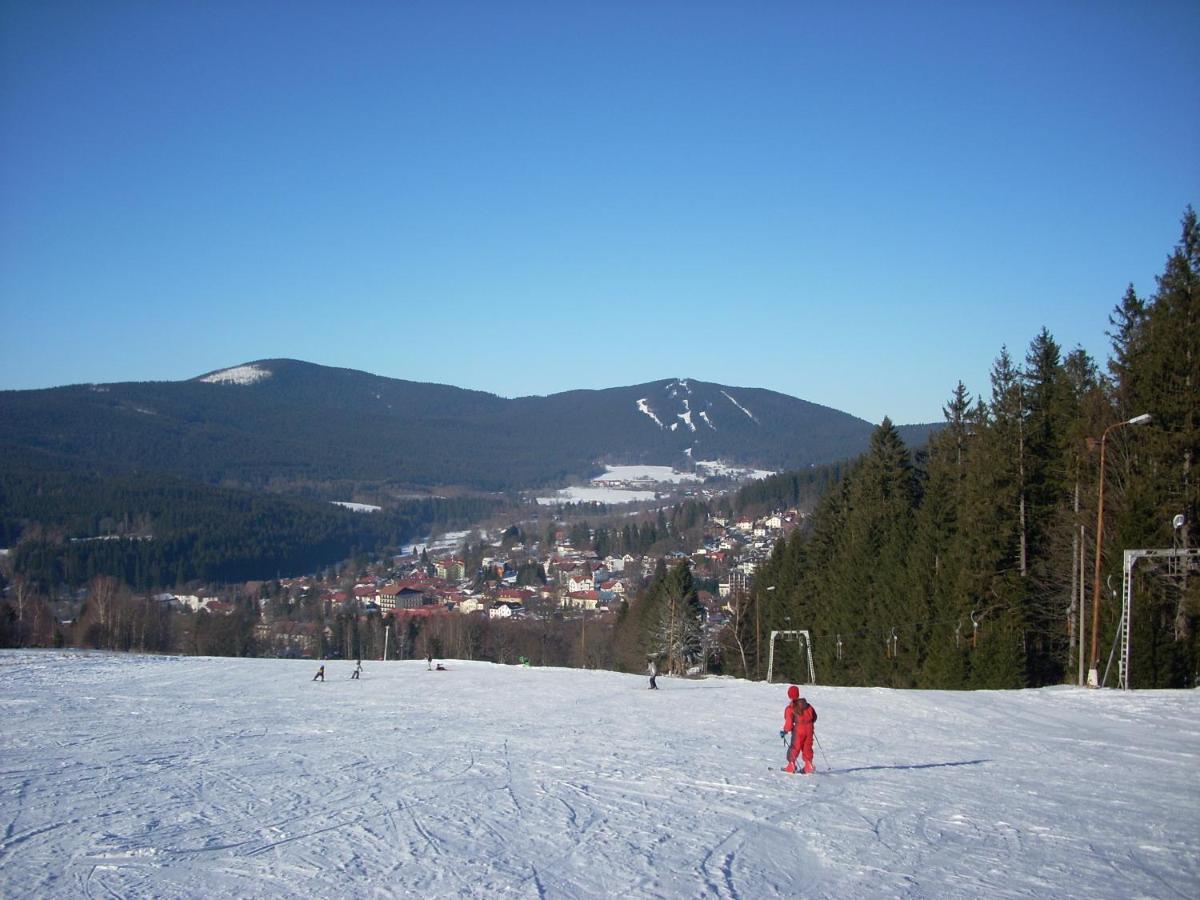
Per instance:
(798,719)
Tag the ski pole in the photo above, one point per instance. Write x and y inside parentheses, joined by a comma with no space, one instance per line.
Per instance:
(822,749)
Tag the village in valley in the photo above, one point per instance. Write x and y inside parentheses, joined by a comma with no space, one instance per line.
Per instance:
(434,588)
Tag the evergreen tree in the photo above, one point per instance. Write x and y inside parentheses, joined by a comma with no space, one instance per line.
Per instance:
(1157,470)
(861,586)
(669,619)
(998,657)
(1048,528)
(936,561)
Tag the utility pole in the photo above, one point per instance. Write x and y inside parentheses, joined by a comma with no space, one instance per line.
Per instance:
(671,638)
(1082,611)
(1094,672)
(758,632)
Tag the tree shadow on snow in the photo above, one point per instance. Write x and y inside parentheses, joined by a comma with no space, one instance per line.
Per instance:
(942,765)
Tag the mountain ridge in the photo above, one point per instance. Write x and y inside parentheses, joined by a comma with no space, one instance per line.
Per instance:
(285,422)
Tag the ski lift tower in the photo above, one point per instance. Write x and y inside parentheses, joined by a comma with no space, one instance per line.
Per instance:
(804,639)
(1180,561)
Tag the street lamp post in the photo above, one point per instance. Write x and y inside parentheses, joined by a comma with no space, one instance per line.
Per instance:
(1094,671)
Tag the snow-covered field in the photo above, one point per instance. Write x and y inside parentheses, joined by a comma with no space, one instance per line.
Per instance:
(451,541)
(614,486)
(357,507)
(128,776)
(595,495)
(668,475)
(647,474)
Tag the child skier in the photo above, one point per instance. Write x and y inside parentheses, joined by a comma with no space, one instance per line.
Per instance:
(798,720)
(357,670)
(320,676)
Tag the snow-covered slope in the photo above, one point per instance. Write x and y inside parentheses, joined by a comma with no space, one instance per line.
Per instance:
(138,776)
(247,374)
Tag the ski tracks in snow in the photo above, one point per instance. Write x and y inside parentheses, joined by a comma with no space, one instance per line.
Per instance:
(219,778)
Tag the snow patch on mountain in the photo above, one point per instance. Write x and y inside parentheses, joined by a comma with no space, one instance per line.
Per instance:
(673,388)
(238,375)
(644,407)
(686,415)
(739,406)
(357,507)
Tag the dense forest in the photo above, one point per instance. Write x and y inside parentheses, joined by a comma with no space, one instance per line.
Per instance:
(963,566)
(157,531)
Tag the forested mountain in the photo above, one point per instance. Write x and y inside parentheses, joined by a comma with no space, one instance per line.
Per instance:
(964,566)
(155,531)
(293,425)
(218,477)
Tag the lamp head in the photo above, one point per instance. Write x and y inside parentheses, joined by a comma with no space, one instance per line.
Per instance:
(1143,419)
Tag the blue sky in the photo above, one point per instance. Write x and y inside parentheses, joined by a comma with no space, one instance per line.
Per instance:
(857,207)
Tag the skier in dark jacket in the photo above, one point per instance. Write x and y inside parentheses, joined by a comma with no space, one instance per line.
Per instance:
(798,720)
(320,676)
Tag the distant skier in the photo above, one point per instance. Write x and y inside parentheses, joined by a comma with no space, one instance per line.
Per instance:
(652,671)
(357,670)
(429,660)
(320,676)
(440,668)
(798,720)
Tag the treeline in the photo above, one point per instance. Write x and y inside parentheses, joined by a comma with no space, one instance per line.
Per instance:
(157,531)
(800,489)
(114,617)
(963,566)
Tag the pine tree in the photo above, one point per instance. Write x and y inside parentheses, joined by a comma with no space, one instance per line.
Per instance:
(1157,470)
(998,657)
(862,584)
(993,519)
(1047,596)
(818,583)
(1089,408)
(785,607)
(672,619)
(935,560)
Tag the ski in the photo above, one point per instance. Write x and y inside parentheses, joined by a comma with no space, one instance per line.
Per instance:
(780,769)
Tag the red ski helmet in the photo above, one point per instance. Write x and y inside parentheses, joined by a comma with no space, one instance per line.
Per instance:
(793,692)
